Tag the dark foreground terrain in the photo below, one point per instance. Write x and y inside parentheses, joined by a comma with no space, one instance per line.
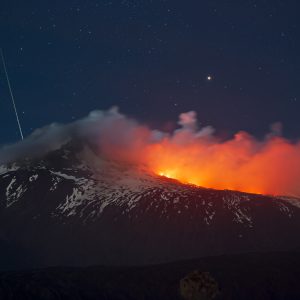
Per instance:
(247,276)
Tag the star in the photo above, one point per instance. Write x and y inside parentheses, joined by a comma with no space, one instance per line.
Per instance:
(209,78)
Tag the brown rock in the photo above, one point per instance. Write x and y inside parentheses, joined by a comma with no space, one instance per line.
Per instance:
(199,286)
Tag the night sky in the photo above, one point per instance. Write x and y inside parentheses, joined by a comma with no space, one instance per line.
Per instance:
(236,63)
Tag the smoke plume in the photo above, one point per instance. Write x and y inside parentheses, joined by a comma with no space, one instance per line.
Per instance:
(190,153)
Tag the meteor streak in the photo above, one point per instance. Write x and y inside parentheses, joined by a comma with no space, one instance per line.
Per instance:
(11,94)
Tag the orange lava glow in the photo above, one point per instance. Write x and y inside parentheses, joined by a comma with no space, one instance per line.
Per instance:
(198,156)
(243,164)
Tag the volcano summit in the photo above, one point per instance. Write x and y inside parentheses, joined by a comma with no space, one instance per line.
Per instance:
(90,193)
(72,206)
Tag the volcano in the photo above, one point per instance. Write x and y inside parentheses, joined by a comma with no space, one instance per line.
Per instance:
(73,207)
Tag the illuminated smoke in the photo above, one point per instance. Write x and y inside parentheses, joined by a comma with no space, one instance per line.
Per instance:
(190,154)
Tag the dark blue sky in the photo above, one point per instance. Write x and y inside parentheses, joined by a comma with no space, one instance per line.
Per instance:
(152,59)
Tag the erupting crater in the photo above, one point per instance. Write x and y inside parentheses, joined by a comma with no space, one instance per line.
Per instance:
(241,164)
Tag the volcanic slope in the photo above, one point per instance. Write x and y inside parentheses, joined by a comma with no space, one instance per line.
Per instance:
(74,207)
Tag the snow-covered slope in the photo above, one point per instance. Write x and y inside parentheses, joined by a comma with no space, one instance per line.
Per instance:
(74,207)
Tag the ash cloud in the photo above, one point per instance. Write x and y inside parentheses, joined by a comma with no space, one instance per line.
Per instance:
(190,154)
(113,133)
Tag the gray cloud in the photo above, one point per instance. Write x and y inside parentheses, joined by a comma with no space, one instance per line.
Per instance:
(107,129)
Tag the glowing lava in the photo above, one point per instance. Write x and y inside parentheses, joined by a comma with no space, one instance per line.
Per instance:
(193,154)
(239,164)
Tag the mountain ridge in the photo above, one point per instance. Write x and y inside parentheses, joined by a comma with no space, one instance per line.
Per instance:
(75,207)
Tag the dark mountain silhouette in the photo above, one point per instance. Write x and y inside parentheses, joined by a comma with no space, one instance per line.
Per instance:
(260,276)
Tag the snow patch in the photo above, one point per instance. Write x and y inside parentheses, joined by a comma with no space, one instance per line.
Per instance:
(13,194)
(33,177)
(292,200)
(71,177)
(4,168)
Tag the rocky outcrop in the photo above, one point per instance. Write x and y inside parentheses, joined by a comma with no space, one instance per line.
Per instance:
(198,286)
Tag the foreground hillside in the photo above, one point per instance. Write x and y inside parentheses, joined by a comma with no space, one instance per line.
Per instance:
(248,276)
